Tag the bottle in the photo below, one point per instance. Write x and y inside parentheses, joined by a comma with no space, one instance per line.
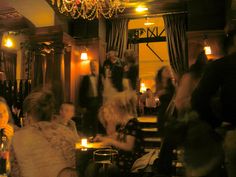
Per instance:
(3,155)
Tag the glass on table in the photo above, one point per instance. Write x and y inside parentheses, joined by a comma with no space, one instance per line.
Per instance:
(105,156)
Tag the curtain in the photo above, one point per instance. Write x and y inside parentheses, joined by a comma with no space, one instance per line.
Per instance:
(118,36)
(8,65)
(175,26)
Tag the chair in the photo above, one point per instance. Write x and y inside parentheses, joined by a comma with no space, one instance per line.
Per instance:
(68,172)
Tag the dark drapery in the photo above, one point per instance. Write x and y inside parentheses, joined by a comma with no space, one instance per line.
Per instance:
(175,26)
(8,64)
(118,35)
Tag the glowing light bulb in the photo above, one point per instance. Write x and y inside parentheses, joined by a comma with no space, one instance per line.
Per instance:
(141,9)
(207,50)
(84,56)
(8,43)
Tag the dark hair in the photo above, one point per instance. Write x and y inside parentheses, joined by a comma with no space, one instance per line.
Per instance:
(40,105)
(198,67)
(158,78)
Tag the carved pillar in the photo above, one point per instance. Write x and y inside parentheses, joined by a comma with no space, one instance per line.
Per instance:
(57,80)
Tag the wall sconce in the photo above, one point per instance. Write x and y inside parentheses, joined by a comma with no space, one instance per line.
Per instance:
(207,50)
(207,47)
(84,56)
(8,42)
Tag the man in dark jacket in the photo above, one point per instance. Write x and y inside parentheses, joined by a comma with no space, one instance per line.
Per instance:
(90,99)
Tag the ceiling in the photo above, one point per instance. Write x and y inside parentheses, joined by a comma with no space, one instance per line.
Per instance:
(11,19)
(155,7)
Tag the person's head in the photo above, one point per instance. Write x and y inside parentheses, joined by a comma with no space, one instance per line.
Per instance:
(112,55)
(67,111)
(198,67)
(130,56)
(115,112)
(16,108)
(5,113)
(39,105)
(163,74)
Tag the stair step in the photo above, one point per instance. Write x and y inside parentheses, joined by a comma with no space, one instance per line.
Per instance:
(150,129)
(152,139)
(150,149)
(147,119)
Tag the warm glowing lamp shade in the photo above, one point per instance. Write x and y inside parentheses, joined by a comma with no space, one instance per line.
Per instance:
(8,43)
(207,50)
(84,56)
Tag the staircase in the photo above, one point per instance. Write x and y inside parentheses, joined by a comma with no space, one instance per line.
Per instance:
(150,132)
(152,140)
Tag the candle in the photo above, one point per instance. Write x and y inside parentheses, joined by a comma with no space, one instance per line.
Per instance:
(84,142)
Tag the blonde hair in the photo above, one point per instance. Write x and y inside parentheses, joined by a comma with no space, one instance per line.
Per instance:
(114,110)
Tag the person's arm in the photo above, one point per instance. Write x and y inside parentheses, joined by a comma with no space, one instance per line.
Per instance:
(128,145)
(184,91)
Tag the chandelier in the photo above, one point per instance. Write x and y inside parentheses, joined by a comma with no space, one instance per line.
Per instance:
(90,9)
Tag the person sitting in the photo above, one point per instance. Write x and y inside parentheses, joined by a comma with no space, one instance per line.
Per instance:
(123,132)
(44,147)
(67,112)
(150,103)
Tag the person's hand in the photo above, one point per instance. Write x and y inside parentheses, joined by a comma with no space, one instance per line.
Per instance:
(97,138)
(8,131)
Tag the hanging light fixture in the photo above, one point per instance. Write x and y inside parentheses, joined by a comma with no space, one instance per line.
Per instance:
(90,9)
(148,23)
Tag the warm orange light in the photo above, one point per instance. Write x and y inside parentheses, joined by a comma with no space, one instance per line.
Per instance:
(207,50)
(143,88)
(148,23)
(8,43)
(84,56)
(141,9)
(84,142)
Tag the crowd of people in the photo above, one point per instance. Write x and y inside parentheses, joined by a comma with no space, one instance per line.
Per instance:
(195,113)
(41,140)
